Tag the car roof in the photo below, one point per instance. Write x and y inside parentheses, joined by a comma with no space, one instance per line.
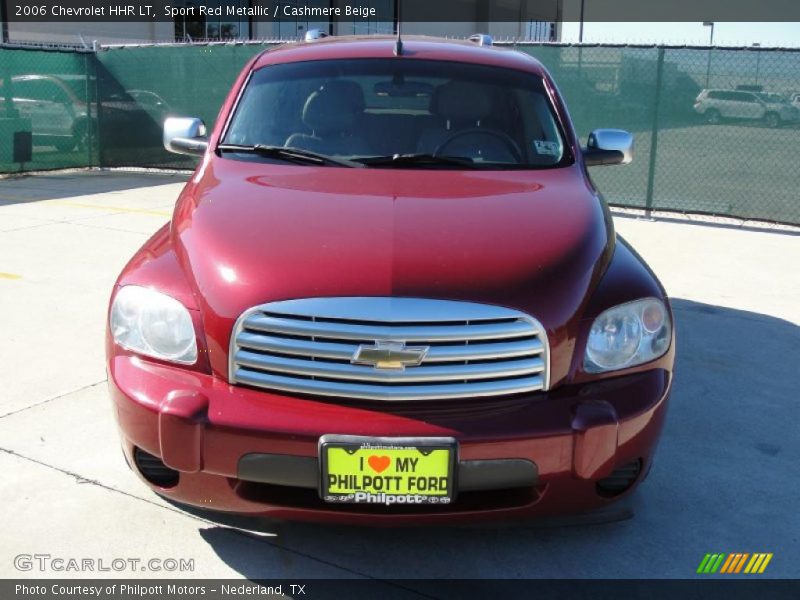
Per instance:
(414,47)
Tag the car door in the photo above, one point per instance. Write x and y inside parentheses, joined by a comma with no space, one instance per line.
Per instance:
(734,105)
(725,103)
(751,106)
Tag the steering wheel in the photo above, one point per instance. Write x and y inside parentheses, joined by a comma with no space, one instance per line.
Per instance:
(507,140)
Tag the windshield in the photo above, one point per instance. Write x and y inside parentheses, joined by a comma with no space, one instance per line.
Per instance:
(424,113)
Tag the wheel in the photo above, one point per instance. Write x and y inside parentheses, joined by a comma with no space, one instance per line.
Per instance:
(713,116)
(507,140)
(772,120)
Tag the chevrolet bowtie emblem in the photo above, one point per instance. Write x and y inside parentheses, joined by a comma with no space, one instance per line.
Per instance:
(389,355)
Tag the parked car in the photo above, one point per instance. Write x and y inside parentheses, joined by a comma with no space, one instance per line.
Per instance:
(56,107)
(61,116)
(391,293)
(772,109)
(151,102)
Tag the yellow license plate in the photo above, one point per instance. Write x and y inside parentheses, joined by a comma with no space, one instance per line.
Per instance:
(387,470)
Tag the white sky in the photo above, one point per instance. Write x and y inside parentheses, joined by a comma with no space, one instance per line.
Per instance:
(725,33)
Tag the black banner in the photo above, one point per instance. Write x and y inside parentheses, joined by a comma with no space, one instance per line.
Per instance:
(473,11)
(401,589)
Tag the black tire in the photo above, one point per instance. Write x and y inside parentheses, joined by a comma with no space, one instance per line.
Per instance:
(712,116)
(772,120)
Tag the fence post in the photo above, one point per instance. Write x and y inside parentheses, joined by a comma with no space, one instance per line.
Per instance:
(97,125)
(651,171)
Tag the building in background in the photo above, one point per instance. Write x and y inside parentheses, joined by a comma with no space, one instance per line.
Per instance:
(530,20)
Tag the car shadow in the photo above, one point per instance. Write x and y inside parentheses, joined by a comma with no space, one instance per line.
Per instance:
(53,186)
(724,443)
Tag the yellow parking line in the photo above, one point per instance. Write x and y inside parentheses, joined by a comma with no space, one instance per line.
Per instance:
(10,276)
(144,211)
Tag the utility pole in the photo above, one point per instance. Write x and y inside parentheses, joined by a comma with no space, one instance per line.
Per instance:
(710,43)
(758,60)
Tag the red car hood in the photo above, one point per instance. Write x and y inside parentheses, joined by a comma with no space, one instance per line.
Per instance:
(248,233)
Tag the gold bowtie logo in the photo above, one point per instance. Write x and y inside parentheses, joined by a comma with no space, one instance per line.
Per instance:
(389,355)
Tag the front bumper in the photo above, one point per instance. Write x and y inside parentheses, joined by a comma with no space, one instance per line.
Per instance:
(254,452)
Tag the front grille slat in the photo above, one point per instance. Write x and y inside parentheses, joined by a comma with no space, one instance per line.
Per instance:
(362,391)
(453,372)
(413,333)
(306,347)
(266,343)
(485,351)
(334,351)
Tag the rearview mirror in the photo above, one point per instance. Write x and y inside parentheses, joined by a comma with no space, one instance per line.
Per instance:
(406,89)
(183,135)
(608,147)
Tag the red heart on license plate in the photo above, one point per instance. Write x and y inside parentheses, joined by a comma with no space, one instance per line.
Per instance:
(379,463)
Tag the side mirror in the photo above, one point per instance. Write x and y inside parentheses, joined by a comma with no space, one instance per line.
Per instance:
(608,147)
(184,135)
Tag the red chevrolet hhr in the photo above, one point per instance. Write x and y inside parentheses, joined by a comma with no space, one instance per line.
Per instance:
(390,293)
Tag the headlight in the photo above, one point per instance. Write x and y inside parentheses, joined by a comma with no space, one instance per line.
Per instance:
(628,335)
(154,324)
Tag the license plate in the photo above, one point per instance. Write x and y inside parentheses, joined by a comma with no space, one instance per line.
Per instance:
(368,470)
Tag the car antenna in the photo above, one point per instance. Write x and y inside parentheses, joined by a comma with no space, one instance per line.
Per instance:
(398,45)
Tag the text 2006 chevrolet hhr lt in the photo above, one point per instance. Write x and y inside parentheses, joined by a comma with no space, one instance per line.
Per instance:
(390,293)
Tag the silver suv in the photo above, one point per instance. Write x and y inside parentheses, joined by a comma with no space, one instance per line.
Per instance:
(771,109)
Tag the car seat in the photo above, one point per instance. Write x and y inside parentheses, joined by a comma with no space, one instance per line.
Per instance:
(459,105)
(333,114)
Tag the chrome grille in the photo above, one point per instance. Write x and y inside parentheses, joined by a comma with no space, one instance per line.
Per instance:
(307,347)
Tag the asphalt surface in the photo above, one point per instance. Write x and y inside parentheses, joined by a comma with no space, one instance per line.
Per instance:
(726,478)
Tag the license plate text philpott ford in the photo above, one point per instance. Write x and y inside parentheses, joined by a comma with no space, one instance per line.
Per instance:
(377,472)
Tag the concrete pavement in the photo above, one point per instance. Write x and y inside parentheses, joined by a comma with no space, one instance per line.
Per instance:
(726,479)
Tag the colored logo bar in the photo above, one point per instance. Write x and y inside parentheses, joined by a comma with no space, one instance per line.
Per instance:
(736,562)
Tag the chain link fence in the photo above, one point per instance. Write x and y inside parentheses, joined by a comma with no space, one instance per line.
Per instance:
(48,110)
(715,129)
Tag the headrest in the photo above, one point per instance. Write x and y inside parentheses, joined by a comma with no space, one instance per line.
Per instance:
(334,107)
(462,101)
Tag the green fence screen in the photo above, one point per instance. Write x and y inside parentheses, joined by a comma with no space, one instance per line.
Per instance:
(174,80)
(730,153)
(50,96)
(714,129)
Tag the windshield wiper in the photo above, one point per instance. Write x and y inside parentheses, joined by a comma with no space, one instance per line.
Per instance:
(421,159)
(293,154)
